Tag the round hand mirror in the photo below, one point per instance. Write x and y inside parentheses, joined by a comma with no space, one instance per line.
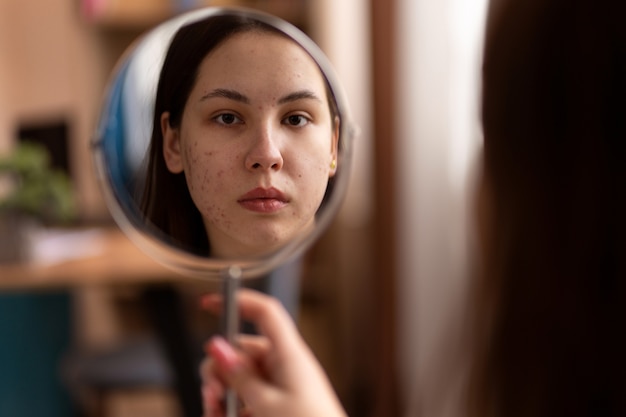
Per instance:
(224,141)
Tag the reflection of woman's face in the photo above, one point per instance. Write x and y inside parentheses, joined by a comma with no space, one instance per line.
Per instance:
(256,143)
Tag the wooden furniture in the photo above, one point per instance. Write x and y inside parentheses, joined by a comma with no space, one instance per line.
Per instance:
(105,259)
(114,259)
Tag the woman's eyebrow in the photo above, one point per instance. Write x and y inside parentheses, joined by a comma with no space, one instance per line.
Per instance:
(226,93)
(299,95)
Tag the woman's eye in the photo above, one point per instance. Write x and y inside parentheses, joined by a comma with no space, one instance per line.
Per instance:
(227,119)
(296,120)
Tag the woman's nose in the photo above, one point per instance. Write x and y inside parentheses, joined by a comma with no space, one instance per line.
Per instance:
(264,153)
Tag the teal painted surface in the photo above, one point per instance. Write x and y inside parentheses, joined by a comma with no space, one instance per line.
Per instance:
(35,334)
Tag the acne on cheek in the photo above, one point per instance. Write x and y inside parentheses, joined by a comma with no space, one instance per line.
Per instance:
(227,224)
(191,152)
(218,217)
(203,184)
(196,181)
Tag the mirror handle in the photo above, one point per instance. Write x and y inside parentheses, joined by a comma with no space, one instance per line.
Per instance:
(230,325)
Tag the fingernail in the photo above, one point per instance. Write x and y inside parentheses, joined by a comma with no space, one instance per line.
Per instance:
(208,300)
(224,354)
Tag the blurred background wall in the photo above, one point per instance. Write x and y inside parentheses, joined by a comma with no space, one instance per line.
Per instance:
(438,142)
(53,68)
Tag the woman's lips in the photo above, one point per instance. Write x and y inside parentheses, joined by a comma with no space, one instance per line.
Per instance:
(263,200)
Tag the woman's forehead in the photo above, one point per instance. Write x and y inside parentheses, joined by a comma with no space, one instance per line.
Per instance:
(257,39)
(259,55)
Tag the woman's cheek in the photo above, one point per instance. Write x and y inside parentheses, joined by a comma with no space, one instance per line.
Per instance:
(200,178)
(206,181)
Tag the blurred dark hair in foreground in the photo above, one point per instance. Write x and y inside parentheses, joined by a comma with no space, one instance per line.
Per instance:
(551,293)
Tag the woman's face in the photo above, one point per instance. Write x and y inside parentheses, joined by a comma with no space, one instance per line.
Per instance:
(256,143)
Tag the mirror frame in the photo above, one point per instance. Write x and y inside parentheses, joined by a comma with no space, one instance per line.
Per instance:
(129,217)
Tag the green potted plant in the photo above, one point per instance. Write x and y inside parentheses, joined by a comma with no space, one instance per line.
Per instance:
(31,192)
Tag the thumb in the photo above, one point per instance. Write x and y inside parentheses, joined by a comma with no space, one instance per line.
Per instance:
(240,374)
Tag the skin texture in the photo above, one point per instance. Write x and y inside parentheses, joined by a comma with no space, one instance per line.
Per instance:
(257,120)
(274,374)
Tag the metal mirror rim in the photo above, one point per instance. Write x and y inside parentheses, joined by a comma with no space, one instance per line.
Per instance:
(207,267)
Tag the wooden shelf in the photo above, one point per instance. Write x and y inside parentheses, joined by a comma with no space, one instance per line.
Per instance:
(118,14)
(144,14)
(115,261)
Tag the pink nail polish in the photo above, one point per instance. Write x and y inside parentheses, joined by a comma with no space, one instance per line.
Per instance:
(224,355)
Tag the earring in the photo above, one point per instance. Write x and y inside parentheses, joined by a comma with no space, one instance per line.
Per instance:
(333,164)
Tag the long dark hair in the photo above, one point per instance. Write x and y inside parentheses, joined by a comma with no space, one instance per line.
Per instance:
(552,294)
(166,201)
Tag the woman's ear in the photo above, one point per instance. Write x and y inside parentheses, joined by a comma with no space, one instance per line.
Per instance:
(171,145)
(334,147)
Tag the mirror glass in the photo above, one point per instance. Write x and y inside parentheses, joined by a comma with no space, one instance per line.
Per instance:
(224,140)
